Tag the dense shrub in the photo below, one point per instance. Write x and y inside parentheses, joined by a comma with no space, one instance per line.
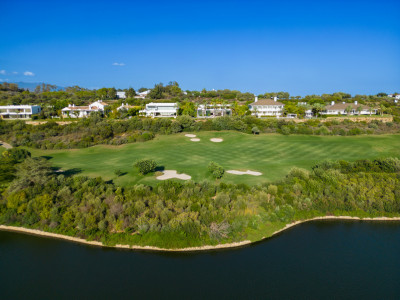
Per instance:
(216,170)
(145,166)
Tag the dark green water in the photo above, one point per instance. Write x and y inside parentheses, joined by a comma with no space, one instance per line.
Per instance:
(318,260)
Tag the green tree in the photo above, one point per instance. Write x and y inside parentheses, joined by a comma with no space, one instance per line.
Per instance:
(187,108)
(317,108)
(157,91)
(30,172)
(102,93)
(130,93)
(216,170)
(145,166)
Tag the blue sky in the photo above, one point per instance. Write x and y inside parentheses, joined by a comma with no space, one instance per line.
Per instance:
(302,47)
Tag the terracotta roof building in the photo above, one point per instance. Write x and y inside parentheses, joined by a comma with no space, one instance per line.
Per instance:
(73,111)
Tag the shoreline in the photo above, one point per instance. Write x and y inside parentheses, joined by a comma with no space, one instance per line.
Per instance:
(188,249)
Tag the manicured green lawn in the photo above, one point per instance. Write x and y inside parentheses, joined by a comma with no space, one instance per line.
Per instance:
(273,155)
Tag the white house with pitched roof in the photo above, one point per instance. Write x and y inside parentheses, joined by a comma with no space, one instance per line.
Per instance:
(73,111)
(142,95)
(266,107)
(348,109)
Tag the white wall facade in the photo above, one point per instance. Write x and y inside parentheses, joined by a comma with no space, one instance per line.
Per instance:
(19,111)
(160,110)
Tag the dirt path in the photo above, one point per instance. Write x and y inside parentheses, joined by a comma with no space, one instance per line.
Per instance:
(5,145)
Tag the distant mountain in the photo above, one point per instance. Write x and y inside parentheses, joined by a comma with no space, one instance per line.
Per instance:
(32,85)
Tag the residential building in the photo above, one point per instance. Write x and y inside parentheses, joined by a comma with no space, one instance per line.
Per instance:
(395,96)
(160,110)
(142,95)
(73,111)
(308,113)
(121,95)
(348,108)
(126,106)
(266,107)
(19,111)
(213,110)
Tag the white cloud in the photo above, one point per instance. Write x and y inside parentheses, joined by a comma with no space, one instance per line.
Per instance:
(15,73)
(118,64)
(3,72)
(28,73)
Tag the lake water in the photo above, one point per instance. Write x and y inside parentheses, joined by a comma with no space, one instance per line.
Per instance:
(316,260)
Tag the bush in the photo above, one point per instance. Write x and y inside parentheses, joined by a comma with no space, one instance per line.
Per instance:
(216,170)
(16,154)
(118,172)
(285,130)
(255,130)
(146,166)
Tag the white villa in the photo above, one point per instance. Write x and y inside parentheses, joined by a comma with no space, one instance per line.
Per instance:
(125,106)
(212,111)
(19,111)
(160,110)
(266,107)
(308,113)
(73,111)
(121,95)
(142,95)
(340,109)
(397,97)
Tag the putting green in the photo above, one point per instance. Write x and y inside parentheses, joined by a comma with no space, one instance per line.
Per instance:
(273,155)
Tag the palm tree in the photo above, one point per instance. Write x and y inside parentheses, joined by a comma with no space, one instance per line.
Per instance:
(224,106)
(382,107)
(348,109)
(317,108)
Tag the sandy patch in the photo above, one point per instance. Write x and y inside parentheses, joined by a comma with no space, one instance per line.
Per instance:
(216,140)
(5,145)
(190,135)
(195,140)
(169,174)
(248,172)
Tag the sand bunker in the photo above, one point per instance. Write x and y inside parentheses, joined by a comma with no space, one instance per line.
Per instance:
(169,174)
(195,140)
(190,135)
(216,140)
(248,172)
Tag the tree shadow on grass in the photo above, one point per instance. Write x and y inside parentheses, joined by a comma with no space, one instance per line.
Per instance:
(46,157)
(67,173)
(159,169)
